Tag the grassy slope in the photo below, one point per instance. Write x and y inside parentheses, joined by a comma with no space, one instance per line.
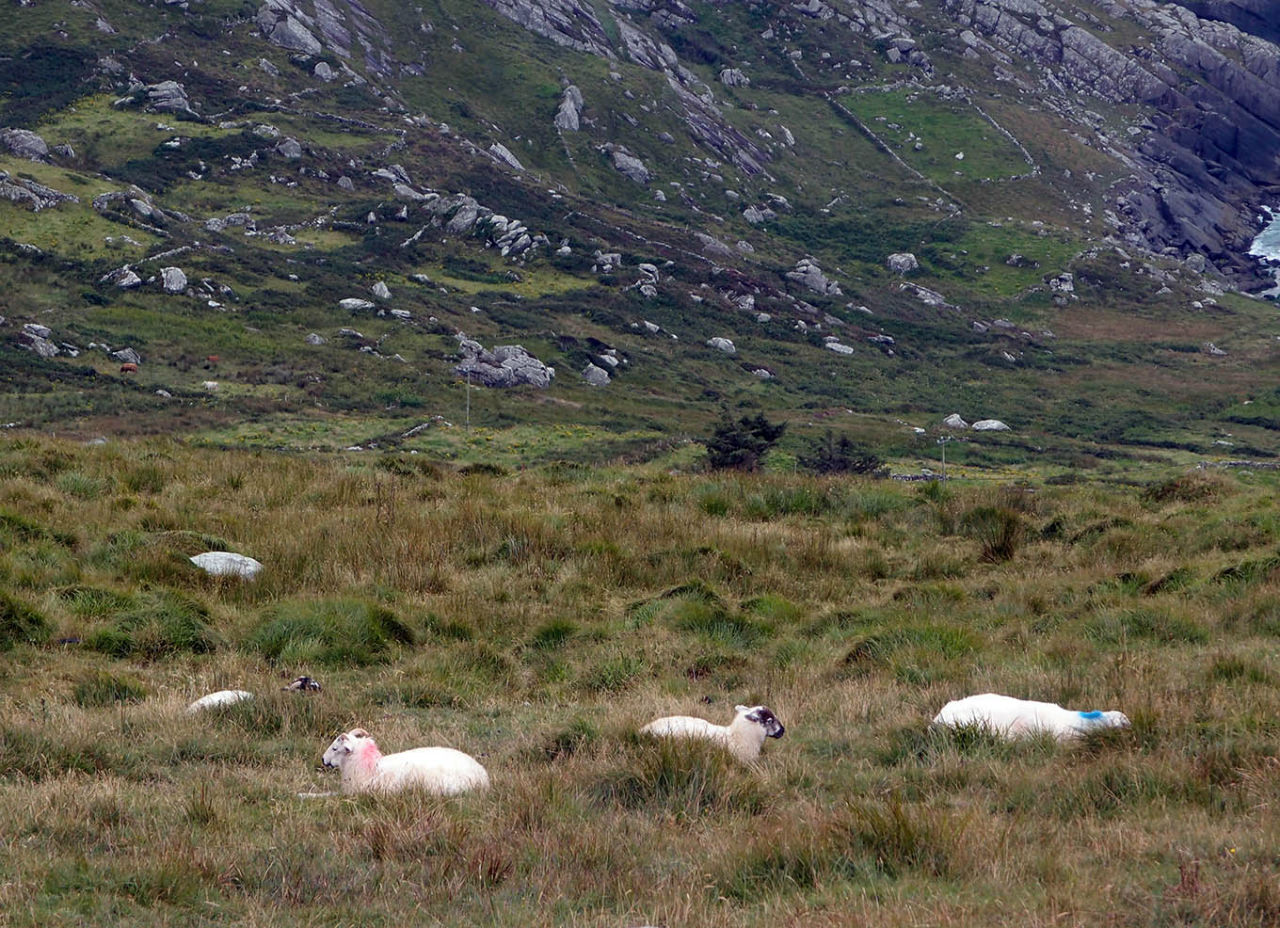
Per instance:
(1122,374)
(537,620)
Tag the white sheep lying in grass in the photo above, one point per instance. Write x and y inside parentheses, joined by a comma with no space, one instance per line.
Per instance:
(1015,718)
(743,737)
(219,699)
(231,697)
(366,769)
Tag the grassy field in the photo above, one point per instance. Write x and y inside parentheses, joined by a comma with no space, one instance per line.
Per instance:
(537,619)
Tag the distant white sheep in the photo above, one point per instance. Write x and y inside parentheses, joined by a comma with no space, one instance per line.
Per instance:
(1016,718)
(743,737)
(231,697)
(365,769)
(219,699)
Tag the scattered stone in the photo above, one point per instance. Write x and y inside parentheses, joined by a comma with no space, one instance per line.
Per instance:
(722,344)
(628,164)
(596,376)
(314,339)
(902,262)
(954,421)
(503,154)
(381,291)
(568,116)
(990,425)
(355,304)
(173,279)
(809,274)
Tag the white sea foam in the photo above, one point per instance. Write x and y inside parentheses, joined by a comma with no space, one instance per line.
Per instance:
(1266,248)
(1267,243)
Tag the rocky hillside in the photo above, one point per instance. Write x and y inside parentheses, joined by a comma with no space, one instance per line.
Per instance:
(337,222)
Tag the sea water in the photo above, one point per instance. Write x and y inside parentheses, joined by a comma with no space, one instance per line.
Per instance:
(1266,247)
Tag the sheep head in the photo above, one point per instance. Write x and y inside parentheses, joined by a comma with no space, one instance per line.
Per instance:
(345,745)
(763,717)
(302,683)
(1098,719)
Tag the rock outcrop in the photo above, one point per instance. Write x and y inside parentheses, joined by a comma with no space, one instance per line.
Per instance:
(505,366)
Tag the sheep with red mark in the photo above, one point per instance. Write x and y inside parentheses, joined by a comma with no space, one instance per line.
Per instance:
(365,769)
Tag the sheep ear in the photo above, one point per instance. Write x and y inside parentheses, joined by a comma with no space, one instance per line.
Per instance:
(358,733)
(741,709)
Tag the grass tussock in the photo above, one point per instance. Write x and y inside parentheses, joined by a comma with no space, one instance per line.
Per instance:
(329,633)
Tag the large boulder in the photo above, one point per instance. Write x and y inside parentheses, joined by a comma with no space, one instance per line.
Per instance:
(568,116)
(596,376)
(809,275)
(168,96)
(173,279)
(24,144)
(628,164)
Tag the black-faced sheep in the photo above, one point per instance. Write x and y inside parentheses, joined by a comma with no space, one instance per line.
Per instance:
(743,737)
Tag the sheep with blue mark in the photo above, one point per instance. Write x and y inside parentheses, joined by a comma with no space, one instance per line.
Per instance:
(1016,718)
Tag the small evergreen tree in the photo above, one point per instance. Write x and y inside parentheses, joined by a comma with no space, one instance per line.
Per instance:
(740,445)
(828,456)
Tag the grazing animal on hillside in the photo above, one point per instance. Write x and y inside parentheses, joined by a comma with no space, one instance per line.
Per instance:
(302,684)
(743,737)
(365,769)
(1016,718)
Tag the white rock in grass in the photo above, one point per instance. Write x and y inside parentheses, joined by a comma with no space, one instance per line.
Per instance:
(990,425)
(227,564)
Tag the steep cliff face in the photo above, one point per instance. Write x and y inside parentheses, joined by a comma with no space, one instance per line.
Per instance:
(1257,17)
(1206,156)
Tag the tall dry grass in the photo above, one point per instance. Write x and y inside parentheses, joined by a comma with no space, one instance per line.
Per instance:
(538,619)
